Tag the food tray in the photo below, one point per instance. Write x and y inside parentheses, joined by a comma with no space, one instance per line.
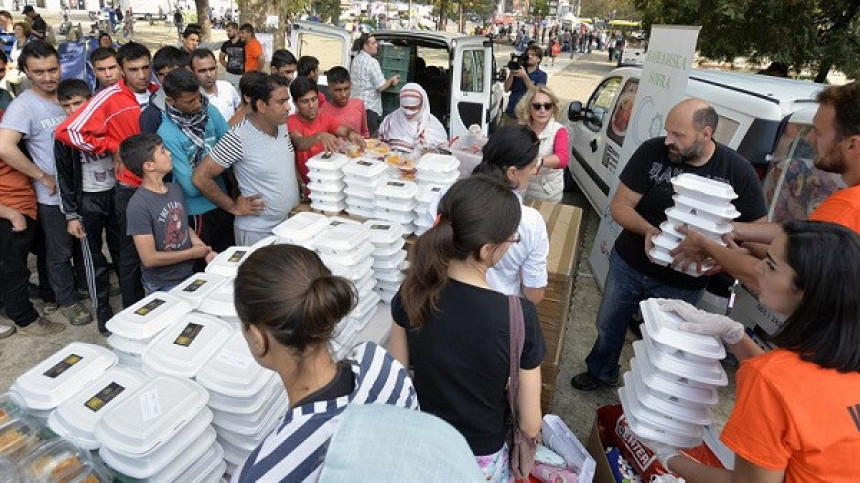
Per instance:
(702,188)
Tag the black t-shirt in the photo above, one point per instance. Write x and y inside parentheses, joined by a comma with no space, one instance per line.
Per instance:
(461,358)
(39,25)
(342,384)
(235,52)
(649,173)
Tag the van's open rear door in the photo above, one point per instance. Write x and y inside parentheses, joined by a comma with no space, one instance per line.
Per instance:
(471,84)
(330,45)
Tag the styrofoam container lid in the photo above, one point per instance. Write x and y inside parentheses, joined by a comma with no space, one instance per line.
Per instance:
(208,468)
(397,189)
(360,203)
(362,193)
(186,459)
(427,194)
(440,163)
(227,262)
(265,242)
(359,182)
(301,227)
(388,249)
(258,424)
(250,404)
(353,273)
(325,176)
(693,415)
(232,371)
(405,218)
(399,206)
(391,276)
(652,432)
(364,287)
(343,238)
(349,259)
(667,242)
(704,215)
(62,374)
(328,207)
(668,386)
(220,302)
(149,316)
(662,257)
(676,364)
(700,187)
(232,455)
(437,179)
(325,187)
(76,418)
(726,211)
(327,162)
(182,349)
(197,287)
(679,217)
(152,415)
(364,168)
(328,198)
(664,327)
(640,412)
(365,304)
(340,220)
(358,211)
(389,263)
(384,232)
(167,458)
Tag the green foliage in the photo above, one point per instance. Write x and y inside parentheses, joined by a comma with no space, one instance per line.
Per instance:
(624,9)
(539,8)
(807,34)
(328,9)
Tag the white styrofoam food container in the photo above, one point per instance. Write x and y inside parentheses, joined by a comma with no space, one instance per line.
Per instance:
(700,415)
(182,349)
(648,431)
(61,375)
(405,218)
(669,386)
(153,414)
(384,232)
(427,194)
(725,211)
(227,262)
(209,468)
(233,372)
(301,228)
(326,187)
(327,162)
(664,327)
(349,259)
(558,437)
(364,168)
(258,424)
(437,179)
(342,239)
(185,460)
(197,287)
(677,364)
(630,402)
(702,188)
(438,163)
(396,190)
(149,316)
(76,418)
(328,207)
(678,217)
(220,303)
(332,198)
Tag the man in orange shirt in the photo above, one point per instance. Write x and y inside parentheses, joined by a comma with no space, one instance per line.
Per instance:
(254,56)
(835,137)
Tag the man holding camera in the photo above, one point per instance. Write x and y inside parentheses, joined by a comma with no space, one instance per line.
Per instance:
(523,74)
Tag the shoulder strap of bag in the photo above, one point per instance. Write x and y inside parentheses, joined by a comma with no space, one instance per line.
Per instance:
(517,339)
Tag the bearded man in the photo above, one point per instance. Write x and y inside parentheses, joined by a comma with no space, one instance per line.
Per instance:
(644,193)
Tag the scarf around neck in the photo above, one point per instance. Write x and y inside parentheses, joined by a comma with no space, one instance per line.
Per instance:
(193,126)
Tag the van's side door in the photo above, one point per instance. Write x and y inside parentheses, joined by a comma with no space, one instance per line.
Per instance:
(471,84)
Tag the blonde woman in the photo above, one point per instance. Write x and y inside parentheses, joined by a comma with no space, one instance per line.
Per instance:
(538,110)
(15,76)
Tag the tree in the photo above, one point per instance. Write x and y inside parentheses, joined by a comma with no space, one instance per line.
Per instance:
(539,8)
(622,9)
(255,12)
(204,20)
(818,35)
(328,10)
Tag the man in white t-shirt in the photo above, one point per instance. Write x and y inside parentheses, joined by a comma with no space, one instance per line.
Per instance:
(221,93)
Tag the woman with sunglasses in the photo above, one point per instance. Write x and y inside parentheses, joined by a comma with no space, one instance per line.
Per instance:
(455,329)
(539,110)
(797,408)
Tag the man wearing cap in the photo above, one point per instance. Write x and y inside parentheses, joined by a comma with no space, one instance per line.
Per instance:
(39,27)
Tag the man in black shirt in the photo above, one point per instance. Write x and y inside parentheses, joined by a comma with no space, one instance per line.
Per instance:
(39,27)
(233,55)
(644,193)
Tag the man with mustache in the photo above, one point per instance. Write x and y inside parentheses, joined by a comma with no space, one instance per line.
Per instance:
(644,193)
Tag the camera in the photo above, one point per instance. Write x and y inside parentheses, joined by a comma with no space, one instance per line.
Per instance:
(518,61)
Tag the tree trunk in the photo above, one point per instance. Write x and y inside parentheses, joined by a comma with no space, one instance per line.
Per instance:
(443,15)
(462,19)
(204,20)
(823,70)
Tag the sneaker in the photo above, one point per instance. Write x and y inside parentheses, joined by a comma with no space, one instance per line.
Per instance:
(102,317)
(586,382)
(50,308)
(6,330)
(41,327)
(77,314)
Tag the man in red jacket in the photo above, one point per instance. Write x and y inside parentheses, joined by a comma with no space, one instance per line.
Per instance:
(99,127)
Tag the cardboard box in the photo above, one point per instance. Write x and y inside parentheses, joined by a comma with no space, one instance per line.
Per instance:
(563,227)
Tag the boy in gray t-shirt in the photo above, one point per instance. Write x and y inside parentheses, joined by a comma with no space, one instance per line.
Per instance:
(157,218)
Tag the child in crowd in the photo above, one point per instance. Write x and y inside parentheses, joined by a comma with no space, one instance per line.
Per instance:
(157,218)
(86,183)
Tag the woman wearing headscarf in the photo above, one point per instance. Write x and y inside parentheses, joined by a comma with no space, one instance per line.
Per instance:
(412,124)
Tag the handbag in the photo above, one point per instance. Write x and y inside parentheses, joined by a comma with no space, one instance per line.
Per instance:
(522,447)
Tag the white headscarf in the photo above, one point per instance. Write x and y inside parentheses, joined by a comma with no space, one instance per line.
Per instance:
(406,129)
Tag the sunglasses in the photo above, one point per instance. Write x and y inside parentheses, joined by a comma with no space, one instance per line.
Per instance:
(546,106)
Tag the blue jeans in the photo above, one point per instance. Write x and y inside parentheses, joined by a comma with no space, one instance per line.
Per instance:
(149,287)
(625,288)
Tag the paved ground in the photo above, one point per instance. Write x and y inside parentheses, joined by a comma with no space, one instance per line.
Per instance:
(571,79)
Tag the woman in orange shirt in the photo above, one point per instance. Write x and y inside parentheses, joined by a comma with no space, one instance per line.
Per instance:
(797,408)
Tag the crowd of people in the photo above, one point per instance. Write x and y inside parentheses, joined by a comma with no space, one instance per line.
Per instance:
(170,173)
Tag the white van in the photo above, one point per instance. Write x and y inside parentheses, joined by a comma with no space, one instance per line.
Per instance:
(457,71)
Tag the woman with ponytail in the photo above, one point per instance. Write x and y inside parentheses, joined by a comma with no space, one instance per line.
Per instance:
(289,304)
(511,156)
(455,329)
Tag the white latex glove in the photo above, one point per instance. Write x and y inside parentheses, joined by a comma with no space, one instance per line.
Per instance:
(662,451)
(705,323)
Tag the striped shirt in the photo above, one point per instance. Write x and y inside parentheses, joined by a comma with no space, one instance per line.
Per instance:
(263,165)
(295,450)
(367,77)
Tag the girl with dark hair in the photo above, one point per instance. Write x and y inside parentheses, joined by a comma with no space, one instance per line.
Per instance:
(455,329)
(289,304)
(511,156)
(797,408)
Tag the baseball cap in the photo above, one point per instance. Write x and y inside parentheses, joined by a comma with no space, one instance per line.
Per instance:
(28,9)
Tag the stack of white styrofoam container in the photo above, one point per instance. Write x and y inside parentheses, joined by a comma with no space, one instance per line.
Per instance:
(226,264)
(134,327)
(427,197)
(326,182)
(184,347)
(395,201)
(301,228)
(668,394)
(347,251)
(701,204)
(246,399)
(361,177)
(440,170)
(389,256)
(218,300)
(54,380)
(160,432)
